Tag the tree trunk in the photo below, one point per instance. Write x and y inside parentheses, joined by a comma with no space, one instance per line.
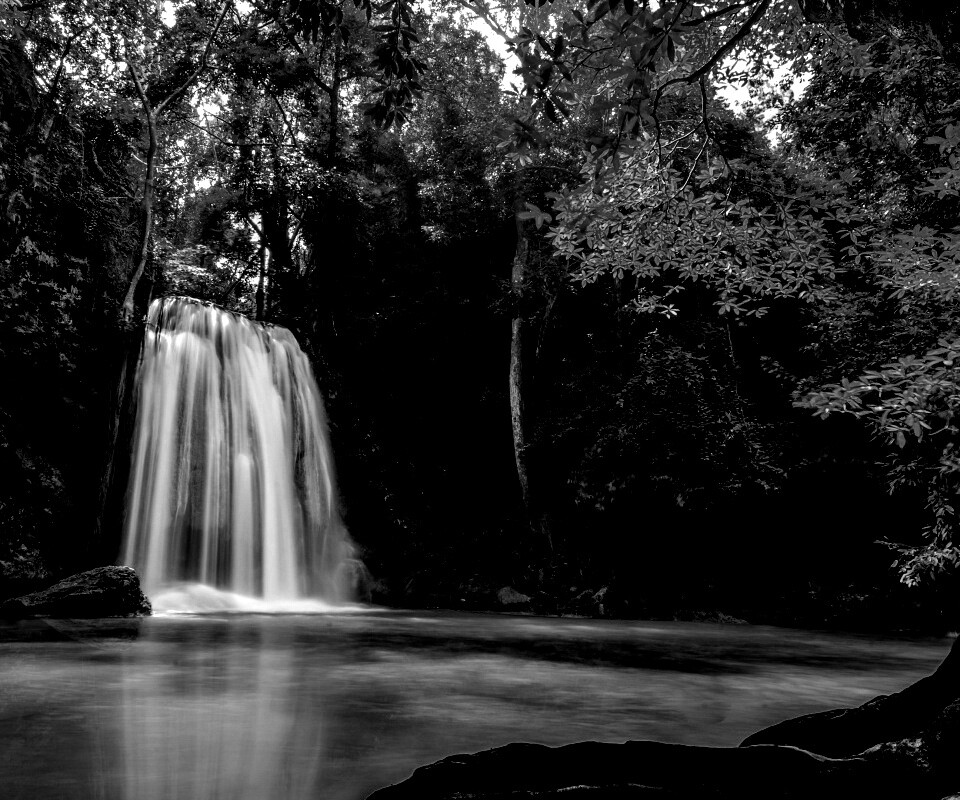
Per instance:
(280,267)
(519,387)
(260,281)
(275,225)
(517,360)
(146,232)
(108,529)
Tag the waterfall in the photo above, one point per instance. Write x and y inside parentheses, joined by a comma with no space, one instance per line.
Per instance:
(231,482)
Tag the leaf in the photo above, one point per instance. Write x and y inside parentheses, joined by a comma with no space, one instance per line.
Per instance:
(533,212)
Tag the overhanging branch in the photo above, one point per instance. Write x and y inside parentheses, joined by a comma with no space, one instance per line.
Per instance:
(718,56)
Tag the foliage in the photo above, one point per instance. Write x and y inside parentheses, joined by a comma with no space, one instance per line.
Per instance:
(393,59)
(674,227)
(847,224)
(63,240)
(701,245)
(912,405)
(886,104)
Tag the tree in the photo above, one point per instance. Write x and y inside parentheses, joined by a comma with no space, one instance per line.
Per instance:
(137,54)
(64,253)
(912,404)
(663,203)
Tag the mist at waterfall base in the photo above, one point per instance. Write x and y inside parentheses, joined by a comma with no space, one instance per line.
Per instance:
(231,502)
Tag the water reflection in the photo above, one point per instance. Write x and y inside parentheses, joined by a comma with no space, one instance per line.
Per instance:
(335,706)
(221,719)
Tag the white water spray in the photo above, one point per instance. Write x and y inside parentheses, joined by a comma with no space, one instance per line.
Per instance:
(231,482)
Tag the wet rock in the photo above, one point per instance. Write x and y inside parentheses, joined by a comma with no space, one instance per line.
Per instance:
(512,599)
(581,604)
(100,592)
(656,770)
(598,599)
(589,603)
(717,616)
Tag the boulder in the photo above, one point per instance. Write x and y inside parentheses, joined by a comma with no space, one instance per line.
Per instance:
(585,603)
(100,592)
(512,599)
(717,616)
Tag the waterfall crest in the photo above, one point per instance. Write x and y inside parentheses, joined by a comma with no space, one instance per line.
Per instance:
(232,482)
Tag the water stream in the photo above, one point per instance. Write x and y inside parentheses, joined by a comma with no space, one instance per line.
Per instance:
(231,500)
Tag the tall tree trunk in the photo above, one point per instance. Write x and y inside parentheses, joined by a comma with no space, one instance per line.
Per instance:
(281,275)
(118,443)
(519,387)
(260,281)
(275,226)
(147,205)
(517,360)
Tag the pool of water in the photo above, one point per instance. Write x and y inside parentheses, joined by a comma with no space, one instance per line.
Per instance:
(334,706)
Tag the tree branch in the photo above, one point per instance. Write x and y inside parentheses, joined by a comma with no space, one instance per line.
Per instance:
(718,56)
(203,60)
(257,229)
(283,116)
(138,82)
(58,76)
(720,12)
(483,12)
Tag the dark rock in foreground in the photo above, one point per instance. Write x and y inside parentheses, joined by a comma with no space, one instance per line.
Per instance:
(654,770)
(904,746)
(100,592)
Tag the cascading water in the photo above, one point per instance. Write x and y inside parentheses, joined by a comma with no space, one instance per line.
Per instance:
(231,481)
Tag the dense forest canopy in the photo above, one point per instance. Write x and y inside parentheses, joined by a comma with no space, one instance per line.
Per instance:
(679,306)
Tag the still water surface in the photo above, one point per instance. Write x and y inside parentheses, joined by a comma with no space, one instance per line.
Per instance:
(334,706)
